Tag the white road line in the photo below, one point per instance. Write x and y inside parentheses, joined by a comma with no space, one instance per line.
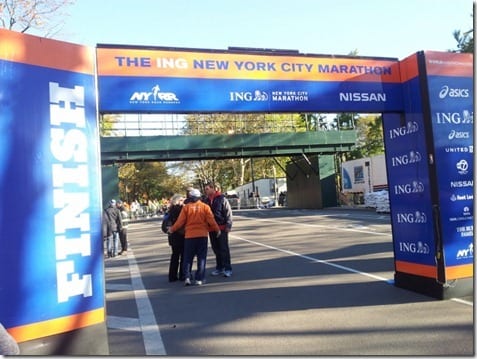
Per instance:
(388,281)
(315,260)
(355,229)
(462,301)
(150,330)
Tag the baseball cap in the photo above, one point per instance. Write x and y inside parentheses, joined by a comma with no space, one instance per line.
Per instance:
(195,193)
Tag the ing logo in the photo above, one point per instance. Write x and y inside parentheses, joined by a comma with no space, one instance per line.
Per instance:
(248,96)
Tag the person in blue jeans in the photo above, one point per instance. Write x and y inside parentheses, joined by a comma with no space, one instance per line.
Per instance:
(223,216)
(112,225)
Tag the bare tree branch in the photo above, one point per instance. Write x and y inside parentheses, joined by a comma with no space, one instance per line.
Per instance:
(44,16)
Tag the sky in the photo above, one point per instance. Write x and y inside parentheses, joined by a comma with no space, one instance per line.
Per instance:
(381,28)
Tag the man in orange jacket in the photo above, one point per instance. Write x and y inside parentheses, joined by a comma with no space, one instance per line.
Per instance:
(198,220)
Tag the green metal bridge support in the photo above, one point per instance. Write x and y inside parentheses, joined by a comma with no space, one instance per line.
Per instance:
(201,147)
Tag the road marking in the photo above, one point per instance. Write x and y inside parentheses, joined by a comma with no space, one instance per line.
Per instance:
(462,301)
(146,324)
(348,269)
(150,330)
(353,229)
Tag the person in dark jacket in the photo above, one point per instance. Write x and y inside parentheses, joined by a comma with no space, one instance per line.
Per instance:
(123,233)
(176,239)
(223,216)
(112,225)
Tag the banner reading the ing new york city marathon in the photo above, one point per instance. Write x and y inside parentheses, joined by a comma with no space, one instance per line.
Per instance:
(450,83)
(138,79)
(50,241)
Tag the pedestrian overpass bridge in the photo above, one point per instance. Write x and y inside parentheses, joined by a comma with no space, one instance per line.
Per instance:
(213,146)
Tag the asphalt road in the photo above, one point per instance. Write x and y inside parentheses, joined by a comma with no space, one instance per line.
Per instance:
(305,282)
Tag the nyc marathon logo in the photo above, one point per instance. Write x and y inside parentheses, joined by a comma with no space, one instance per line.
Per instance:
(154,96)
(466,253)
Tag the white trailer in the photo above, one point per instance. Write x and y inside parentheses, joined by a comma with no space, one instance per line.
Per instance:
(364,175)
(268,190)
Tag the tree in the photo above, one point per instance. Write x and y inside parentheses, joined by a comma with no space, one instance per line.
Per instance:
(345,121)
(231,173)
(145,181)
(42,16)
(465,40)
(315,121)
(106,124)
(370,142)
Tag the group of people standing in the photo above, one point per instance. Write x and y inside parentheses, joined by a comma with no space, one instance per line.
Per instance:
(115,228)
(189,223)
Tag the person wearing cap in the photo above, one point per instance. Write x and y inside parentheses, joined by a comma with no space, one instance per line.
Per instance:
(188,198)
(112,225)
(197,219)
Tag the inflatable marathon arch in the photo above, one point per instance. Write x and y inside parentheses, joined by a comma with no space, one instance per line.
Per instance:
(50,231)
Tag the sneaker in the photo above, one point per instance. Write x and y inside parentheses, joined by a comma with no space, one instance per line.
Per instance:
(187,281)
(198,282)
(217,272)
(228,273)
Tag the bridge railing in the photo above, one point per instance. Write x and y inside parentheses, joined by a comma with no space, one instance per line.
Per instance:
(184,125)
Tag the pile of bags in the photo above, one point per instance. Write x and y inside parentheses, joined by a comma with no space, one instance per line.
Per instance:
(378,200)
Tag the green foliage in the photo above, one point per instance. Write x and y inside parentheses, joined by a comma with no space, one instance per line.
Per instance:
(151,180)
(345,121)
(231,173)
(106,124)
(148,180)
(465,41)
(238,123)
(370,142)
(316,122)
